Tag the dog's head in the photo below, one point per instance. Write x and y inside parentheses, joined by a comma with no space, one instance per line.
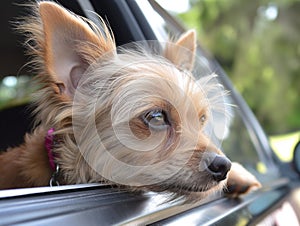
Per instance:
(129,116)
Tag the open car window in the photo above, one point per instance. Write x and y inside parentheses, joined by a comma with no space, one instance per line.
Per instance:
(240,144)
(93,203)
(245,142)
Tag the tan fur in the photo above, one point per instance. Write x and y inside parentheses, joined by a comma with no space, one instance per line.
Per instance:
(96,98)
(27,165)
(182,53)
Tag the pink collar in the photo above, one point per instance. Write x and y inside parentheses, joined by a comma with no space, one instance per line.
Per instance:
(49,140)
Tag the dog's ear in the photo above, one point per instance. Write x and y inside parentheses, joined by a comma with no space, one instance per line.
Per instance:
(182,52)
(71,44)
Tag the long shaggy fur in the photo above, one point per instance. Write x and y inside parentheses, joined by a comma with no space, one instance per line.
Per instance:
(97,98)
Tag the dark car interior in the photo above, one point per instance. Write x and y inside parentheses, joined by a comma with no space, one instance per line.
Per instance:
(17,120)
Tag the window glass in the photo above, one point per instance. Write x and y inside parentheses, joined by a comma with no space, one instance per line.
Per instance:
(15,90)
(238,145)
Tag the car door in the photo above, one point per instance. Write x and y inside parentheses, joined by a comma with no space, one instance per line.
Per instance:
(97,204)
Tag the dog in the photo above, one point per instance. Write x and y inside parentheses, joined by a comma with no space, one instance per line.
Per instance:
(127,116)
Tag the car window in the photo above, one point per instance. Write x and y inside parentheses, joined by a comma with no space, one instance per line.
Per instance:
(15,89)
(239,145)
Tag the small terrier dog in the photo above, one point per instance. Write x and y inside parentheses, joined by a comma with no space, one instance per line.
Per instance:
(128,116)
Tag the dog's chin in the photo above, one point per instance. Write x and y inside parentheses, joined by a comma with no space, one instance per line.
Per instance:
(188,194)
(188,190)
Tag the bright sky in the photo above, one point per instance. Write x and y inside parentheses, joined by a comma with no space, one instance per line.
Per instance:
(178,6)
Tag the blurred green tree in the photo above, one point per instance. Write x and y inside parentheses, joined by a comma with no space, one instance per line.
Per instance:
(257,43)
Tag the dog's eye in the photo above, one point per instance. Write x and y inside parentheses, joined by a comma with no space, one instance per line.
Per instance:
(202,119)
(156,119)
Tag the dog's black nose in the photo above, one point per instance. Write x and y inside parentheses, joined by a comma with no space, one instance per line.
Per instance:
(219,167)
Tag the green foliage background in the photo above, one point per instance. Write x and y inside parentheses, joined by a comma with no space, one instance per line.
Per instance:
(259,52)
